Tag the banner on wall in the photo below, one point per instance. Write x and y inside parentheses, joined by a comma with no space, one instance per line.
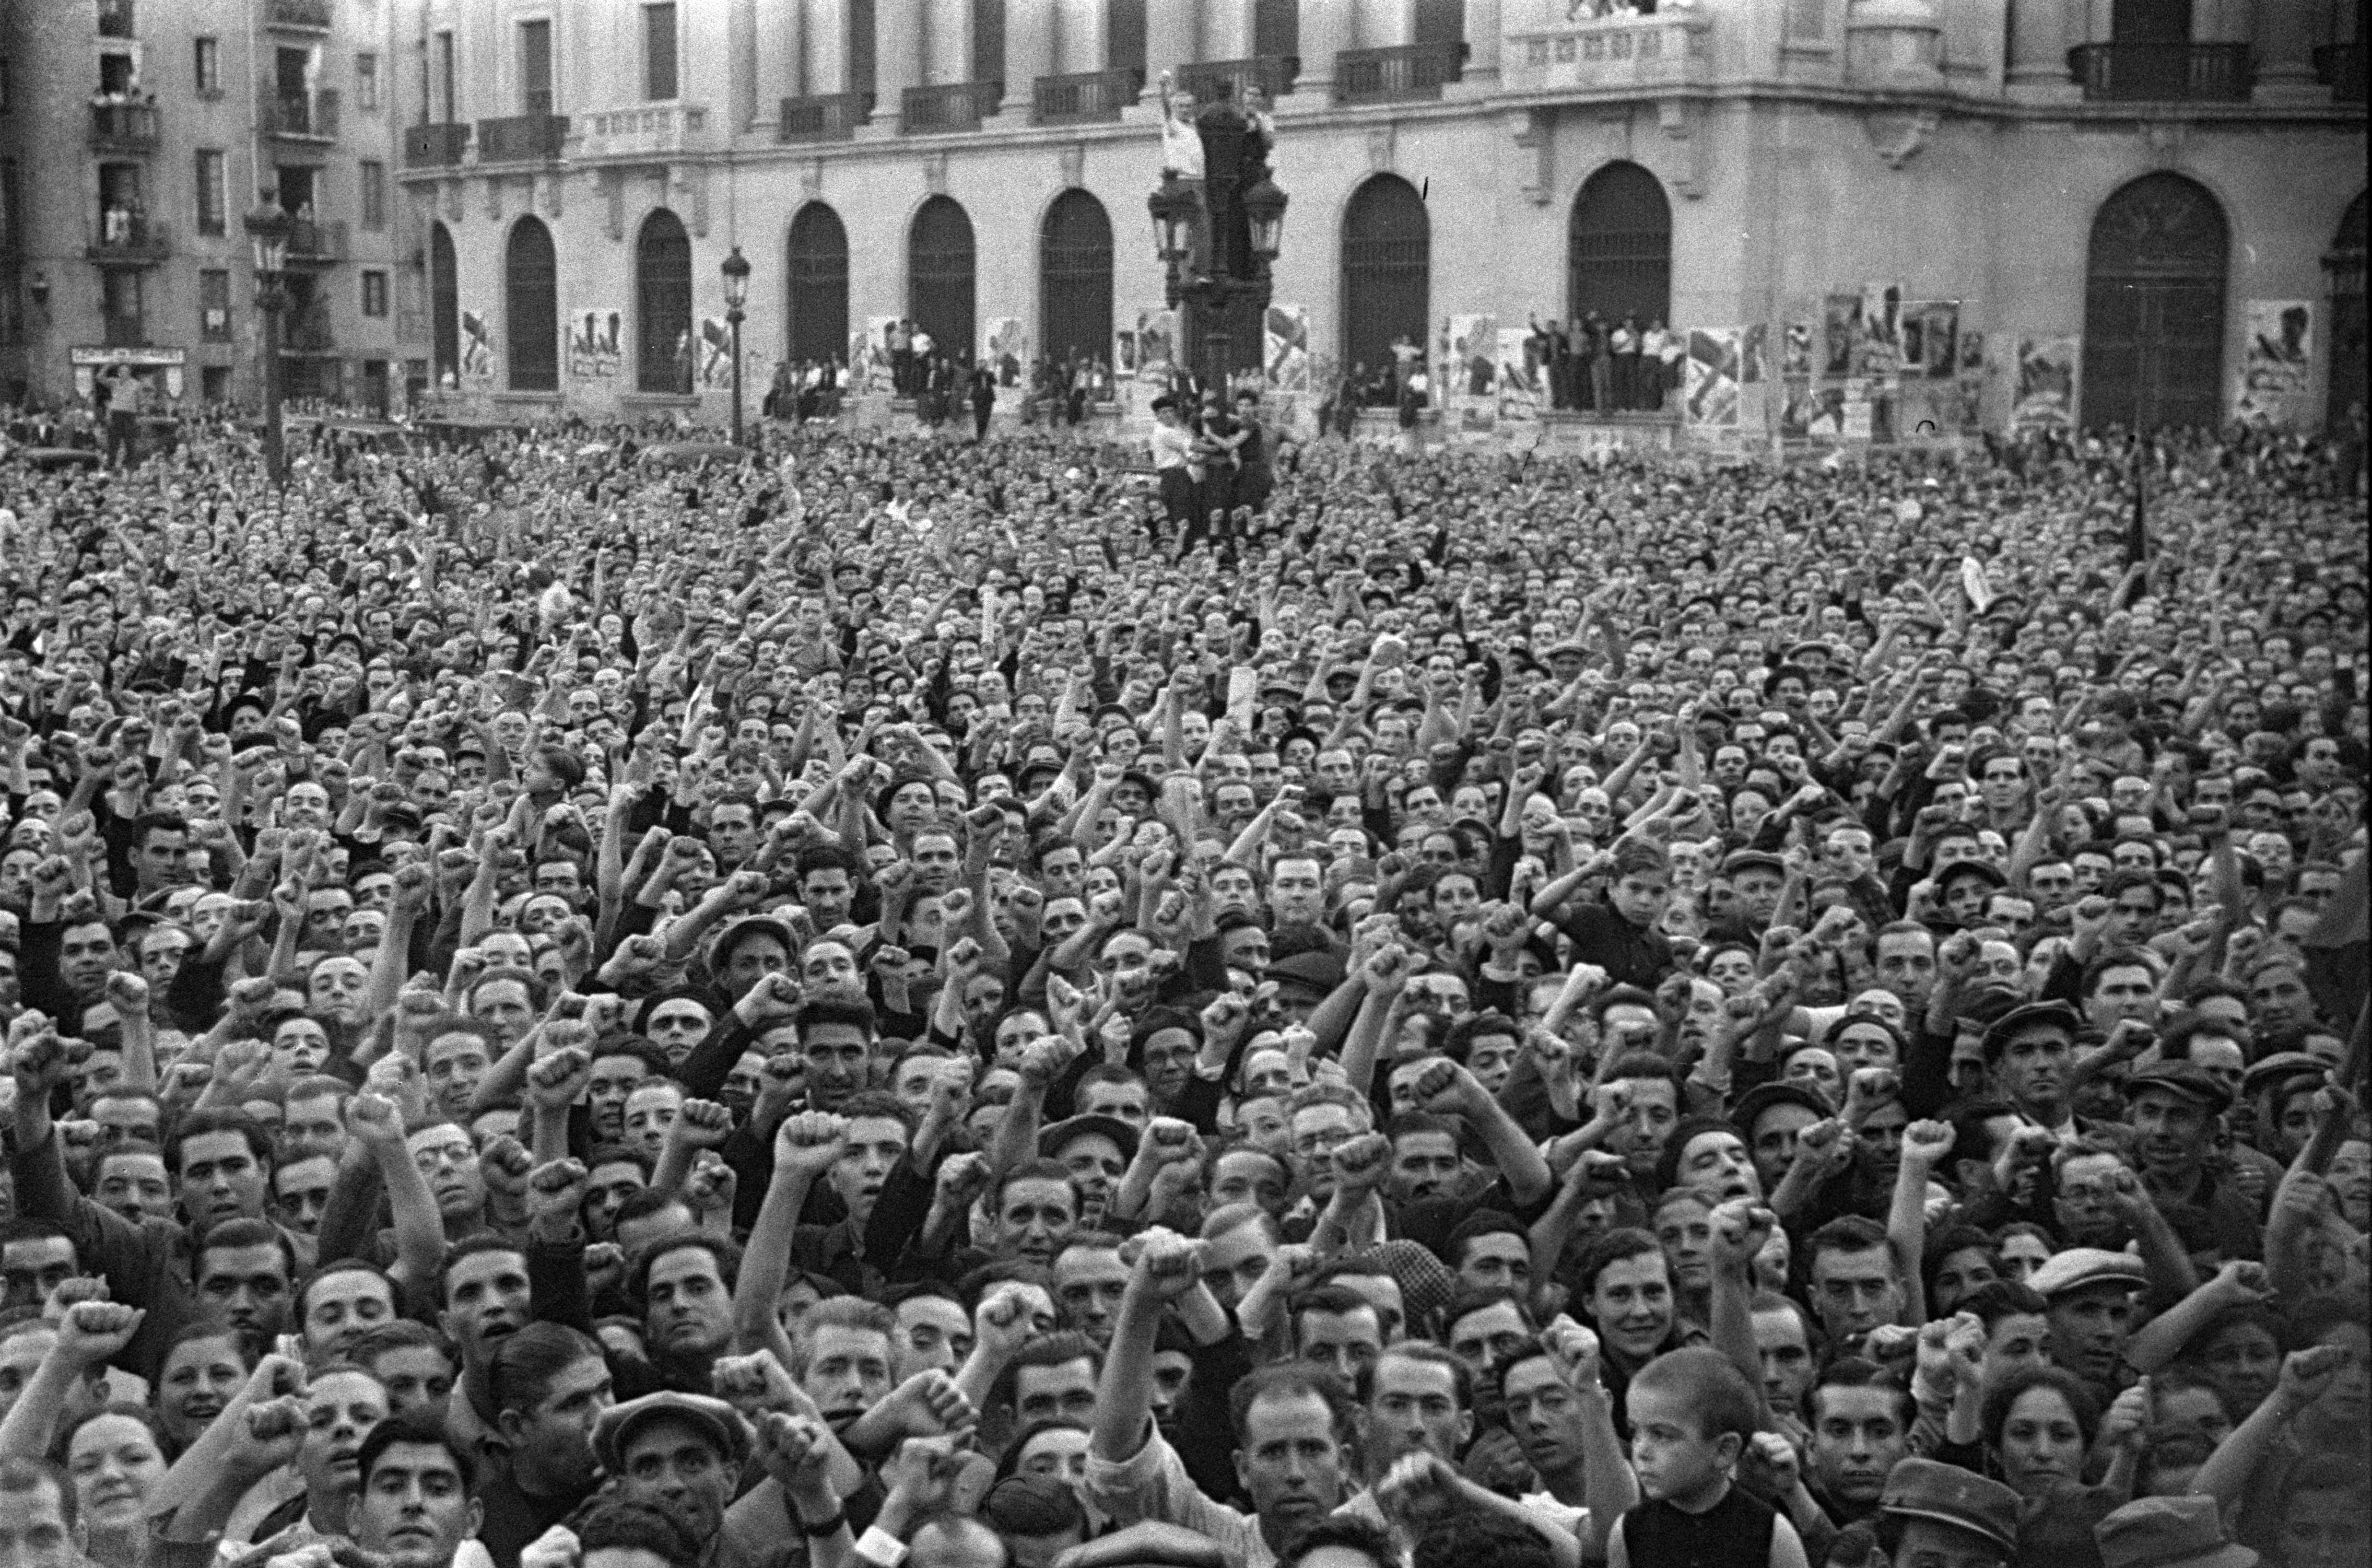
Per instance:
(1004,348)
(1711,375)
(2046,383)
(2276,367)
(1285,347)
(716,351)
(1931,338)
(1521,387)
(593,344)
(477,347)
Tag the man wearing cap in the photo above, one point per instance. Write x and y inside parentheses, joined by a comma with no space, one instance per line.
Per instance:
(2030,1051)
(2088,1294)
(2170,1532)
(2173,1108)
(1096,1150)
(1939,1515)
(682,1455)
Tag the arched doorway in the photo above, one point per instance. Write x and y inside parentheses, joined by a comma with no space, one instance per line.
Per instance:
(2344,265)
(1074,279)
(663,345)
(2154,307)
(444,304)
(1619,247)
(531,307)
(940,263)
(816,268)
(1387,274)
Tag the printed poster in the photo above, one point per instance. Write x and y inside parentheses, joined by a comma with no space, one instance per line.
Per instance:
(1004,348)
(2046,383)
(2278,363)
(1157,341)
(1931,338)
(477,347)
(1711,375)
(1812,410)
(1285,347)
(1522,386)
(1840,333)
(1857,418)
(1753,350)
(1470,362)
(1879,351)
(593,344)
(879,372)
(1795,350)
(716,351)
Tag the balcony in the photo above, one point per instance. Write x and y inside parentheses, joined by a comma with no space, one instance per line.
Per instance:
(434,146)
(521,138)
(2162,72)
(949,107)
(655,129)
(123,127)
(2341,66)
(120,240)
(833,117)
(307,332)
(118,330)
(316,244)
(1401,74)
(1610,54)
(298,16)
(298,118)
(1217,81)
(1083,98)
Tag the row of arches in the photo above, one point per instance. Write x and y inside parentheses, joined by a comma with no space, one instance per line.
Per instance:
(2154,312)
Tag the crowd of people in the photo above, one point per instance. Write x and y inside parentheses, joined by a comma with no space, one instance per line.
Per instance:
(900,1002)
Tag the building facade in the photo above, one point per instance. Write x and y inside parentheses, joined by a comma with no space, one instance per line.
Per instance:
(135,137)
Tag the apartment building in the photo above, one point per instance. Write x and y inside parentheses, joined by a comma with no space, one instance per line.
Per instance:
(136,135)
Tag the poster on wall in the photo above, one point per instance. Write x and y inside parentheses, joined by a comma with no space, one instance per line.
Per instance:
(1004,348)
(593,344)
(1931,338)
(716,351)
(1856,422)
(1157,341)
(477,347)
(1285,347)
(1879,351)
(1470,364)
(2277,365)
(1796,349)
(1753,351)
(1519,386)
(1839,333)
(1812,410)
(1711,375)
(879,372)
(2046,383)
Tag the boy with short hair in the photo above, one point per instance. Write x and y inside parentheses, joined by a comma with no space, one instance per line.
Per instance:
(1691,1414)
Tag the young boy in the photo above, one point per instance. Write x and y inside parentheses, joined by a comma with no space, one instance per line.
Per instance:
(1622,936)
(1692,1413)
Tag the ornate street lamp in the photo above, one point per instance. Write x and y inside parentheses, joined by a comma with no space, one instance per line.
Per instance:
(1217,238)
(267,234)
(737,295)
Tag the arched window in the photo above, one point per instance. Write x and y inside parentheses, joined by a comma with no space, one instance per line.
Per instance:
(1074,279)
(817,272)
(1619,247)
(1387,267)
(531,307)
(2345,265)
(444,303)
(663,345)
(2154,307)
(939,275)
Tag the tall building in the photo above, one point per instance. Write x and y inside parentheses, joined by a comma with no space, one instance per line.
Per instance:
(135,137)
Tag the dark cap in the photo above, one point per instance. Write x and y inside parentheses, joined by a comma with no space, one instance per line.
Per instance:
(1318,972)
(1762,1096)
(1748,859)
(2185,1078)
(2281,1066)
(1950,1494)
(1051,1140)
(2061,1016)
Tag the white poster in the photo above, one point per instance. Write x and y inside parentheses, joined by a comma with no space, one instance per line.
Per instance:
(1520,384)
(2276,368)
(1004,348)
(1285,347)
(593,344)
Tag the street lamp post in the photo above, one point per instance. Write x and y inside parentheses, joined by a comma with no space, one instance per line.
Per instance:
(267,232)
(737,295)
(1217,242)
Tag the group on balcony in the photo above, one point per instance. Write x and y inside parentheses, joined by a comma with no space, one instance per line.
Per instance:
(1596,365)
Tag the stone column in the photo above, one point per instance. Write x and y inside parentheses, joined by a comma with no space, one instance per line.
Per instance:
(1227,30)
(1082,37)
(2287,32)
(1172,31)
(2039,41)
(1030,53)
(1381,24)
(1483,25)
(1327,29)
(897,57)
(824,38)
(774,63)
(947,45)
